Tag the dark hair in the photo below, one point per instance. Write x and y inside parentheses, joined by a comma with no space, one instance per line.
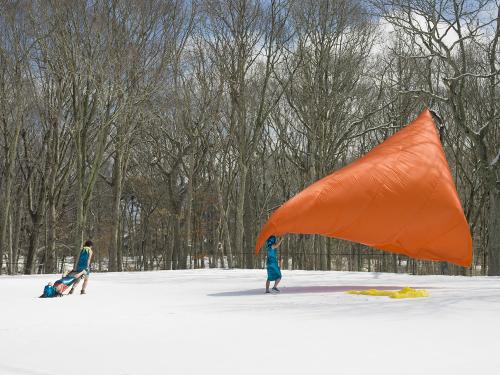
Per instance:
(88,243)
(271,241)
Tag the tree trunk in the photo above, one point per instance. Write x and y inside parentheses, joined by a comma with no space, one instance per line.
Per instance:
(119,251)
(174,243)
(115,213)
(324,254)
(15,237)
(189,210)
(240,212)
(33,245)
(10,258)
(177,243)
(51,237)
(249,223)
(79,227)
(8,180)
(225,227)
(494,234)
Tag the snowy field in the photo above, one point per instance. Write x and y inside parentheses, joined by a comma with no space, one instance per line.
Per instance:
(220,322)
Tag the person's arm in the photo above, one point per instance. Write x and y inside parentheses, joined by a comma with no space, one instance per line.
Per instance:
(80,274)
(89,260)
(278,244)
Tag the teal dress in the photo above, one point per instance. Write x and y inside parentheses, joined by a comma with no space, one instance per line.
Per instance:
(84,259)
(273,270)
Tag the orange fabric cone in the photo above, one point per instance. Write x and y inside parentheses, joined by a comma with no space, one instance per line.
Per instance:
(400,197)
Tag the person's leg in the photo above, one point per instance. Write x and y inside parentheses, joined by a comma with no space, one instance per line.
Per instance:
(276,282)
(74,285)
(79,276)
(85,281)
(267,286)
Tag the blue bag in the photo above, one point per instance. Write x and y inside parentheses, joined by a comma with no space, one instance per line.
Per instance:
(49,291)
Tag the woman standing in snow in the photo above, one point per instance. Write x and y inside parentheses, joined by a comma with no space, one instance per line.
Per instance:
(83,264)
(273,269)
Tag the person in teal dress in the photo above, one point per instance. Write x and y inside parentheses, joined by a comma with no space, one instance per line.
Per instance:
(83,265)
(273,269)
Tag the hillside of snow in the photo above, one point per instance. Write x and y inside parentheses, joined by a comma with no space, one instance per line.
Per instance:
(221,322)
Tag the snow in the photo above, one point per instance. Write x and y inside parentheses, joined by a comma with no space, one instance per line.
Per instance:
(220,322)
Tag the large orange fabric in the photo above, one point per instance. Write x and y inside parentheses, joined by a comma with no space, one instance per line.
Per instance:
(400,197)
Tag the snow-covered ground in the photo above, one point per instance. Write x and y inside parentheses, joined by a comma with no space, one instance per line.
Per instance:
(221,322)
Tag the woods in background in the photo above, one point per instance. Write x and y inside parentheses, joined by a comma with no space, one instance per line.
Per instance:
(168,131)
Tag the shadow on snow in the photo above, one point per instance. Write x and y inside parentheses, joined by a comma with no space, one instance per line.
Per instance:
(306,289)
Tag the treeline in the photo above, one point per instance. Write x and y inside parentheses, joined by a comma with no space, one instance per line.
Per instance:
(168,131)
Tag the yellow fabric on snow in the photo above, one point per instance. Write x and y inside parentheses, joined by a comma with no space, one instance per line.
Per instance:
(403,293)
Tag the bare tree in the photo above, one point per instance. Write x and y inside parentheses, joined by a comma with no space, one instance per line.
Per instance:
(445,31)
(14,54)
